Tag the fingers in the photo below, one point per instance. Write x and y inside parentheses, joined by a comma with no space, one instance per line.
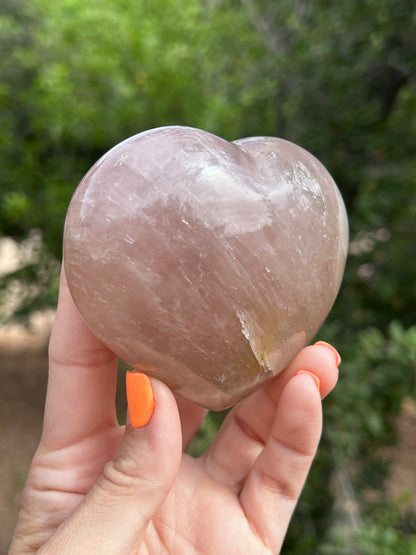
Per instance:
(247,427)
(114,515)
(276,479)
(82,379)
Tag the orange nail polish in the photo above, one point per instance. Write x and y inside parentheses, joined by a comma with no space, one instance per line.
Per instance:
(329,346)
(312,375)
(140,399)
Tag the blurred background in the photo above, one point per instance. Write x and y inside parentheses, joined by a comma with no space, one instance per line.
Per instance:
(339,79)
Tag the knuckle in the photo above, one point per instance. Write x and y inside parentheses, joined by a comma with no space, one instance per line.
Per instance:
(124,477)
(121,474)
(283,487)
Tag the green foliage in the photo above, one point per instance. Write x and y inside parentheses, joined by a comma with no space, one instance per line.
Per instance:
(379,540)
(373,539)
(337,78)
(377,374)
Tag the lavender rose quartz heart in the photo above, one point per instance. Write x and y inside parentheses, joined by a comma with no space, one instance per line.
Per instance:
(205,263)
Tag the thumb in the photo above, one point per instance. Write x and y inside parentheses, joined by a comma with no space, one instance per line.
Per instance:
(114,515)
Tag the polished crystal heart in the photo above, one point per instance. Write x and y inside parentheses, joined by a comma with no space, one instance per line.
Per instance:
(205,263)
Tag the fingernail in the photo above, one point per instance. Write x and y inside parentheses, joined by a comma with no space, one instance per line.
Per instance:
(140,399)
(312,375)
(335,352)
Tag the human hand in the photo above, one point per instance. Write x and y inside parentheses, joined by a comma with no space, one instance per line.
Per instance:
(97,487)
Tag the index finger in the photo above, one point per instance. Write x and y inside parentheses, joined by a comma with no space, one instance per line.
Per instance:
(82,379)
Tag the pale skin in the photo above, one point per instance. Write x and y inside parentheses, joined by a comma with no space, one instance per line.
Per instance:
(96,487)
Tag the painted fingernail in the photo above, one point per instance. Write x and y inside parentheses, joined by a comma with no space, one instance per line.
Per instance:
(312,375)
(335,352)
(140,399)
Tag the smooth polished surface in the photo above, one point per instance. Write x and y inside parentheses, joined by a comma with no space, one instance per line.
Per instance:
(205,263)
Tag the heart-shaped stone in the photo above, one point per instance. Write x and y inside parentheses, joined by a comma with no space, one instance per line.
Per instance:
(205,263)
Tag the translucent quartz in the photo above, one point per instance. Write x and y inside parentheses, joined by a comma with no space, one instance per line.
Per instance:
(205,263)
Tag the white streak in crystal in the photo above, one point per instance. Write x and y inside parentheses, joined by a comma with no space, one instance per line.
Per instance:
(86,206)
(223,183)
(121,160)
(244,327)
(129,239)
(305,180)
(250,335)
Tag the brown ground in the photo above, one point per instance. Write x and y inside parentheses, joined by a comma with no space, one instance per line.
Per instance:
(23,373)
(23,376)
